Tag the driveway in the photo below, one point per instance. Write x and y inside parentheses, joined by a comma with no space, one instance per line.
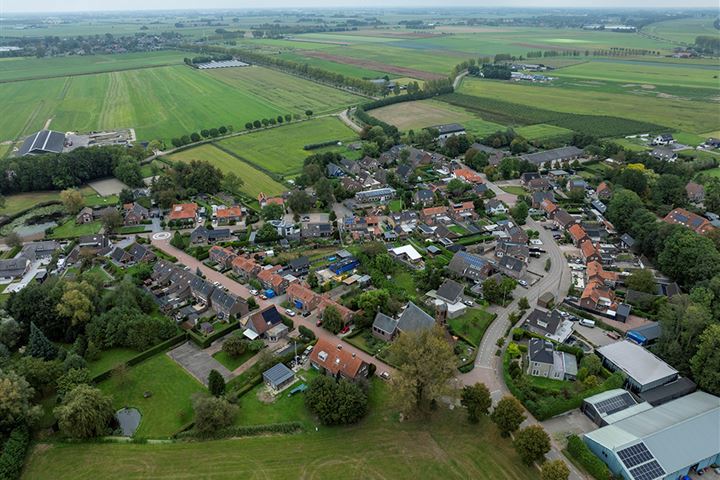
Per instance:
(596,336)
(198,363)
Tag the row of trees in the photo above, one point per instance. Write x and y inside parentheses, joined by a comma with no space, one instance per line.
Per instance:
(265,122)
(197,136)
(184,180)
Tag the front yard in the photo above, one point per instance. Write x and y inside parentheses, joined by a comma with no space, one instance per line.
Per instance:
(472,325)
(231,363)
(70,229)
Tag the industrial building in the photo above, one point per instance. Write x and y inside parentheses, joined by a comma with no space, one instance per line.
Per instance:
(661,443)
(644,371)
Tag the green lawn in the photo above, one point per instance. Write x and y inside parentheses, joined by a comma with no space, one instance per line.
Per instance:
(110,359)
(23,201)
(542,131)
(133,229)
(95,200)
(514,189)
(169,406)
(280,149)
(443,446)
(715,172)
(70,229)
(458,230)
(395,205)
(405,281)
(472,324)
(254,180)
(231,363)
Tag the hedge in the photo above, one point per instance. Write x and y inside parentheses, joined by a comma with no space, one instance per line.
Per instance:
(306,332)
(248,430)
(577,449)
(14,452)
(421,95)
(204,342)
(315,146)
(160,347)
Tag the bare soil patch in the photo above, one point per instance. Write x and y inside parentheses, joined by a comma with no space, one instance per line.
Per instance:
(107,187)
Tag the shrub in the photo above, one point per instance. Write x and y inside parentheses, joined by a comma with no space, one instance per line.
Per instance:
(13,454)
(306,332)
(250,430)
(235,346)
(592,464)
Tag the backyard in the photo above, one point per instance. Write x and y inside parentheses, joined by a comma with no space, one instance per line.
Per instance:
(110,359)
(70,229)
(472,324)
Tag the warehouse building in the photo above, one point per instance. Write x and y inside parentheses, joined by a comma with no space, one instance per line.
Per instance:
(44,141)
(644,371)
(662,443)
(611,406)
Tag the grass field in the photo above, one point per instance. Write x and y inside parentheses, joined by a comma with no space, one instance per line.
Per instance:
(70,229)
(30,68)
(472,324)
(682,30)
(168,408)
(420,114)
(110,359)
(22,201)
(231,363)
(542,131)
(280,149)
(514,189)
(715,172)
(160,102)
(444,446)
(255,180)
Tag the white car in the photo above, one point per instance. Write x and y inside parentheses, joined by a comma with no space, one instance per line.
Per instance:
(254,292)
(523,283)
(289,312)
(469,303)
(217,284)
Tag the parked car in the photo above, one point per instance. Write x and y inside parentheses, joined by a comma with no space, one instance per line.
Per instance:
(345,329)
(290,312)
(469,303)
(613,335)
(217,284)
(523,283)
(254,292)
(263,296)
(385,376)
(339,346)
(587,323)
(306,314)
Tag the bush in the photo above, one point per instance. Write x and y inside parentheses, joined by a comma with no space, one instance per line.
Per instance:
(582,454)
(235,346)
(250,430)
(306,332)
(13,454)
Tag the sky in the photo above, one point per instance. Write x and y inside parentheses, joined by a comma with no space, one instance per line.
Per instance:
(48,6)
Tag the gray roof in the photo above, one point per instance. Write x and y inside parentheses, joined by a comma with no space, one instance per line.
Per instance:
(424,194)
(562,153)
(540,351)
(650,331)
(542,322)
(35,249)
(278,374)
(13,266)
(200,286)
(221,298)
(627,240)
(450,290)
(449,128)
(511,264)
(637,362)
(414,319)
(385,323)
(677,434)
(44,141)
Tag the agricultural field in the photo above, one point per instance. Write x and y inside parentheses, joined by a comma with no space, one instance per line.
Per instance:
(682,30)
(17,68)
(23,201)
(280,150)
(443,446)
(255,180)
(420,114)
(160,102)
(542,131)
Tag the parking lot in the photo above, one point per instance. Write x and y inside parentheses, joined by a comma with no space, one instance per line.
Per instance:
(595,335)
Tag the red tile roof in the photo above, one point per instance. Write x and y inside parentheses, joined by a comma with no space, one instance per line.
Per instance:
(577,232)
(183,211)
(335,361)
(229,212)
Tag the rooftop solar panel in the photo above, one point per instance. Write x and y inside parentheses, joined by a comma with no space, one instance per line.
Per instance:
(649,471)
(635,455)
(615,404)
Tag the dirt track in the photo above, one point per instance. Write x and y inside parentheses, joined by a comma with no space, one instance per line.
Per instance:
(383,67)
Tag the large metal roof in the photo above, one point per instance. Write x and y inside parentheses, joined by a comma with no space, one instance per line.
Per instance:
(638,363)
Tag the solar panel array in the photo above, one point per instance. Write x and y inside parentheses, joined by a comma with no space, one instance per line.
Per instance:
(649,471)
(635,455)
(615,404)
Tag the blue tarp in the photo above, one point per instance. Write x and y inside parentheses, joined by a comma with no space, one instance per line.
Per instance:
(269,293)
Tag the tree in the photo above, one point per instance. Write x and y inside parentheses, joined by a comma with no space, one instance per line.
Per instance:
(10,330)
(682,323)
(13,240)
(72,200)
(508,415)
(532,443)
(523,303)
(71,379)
(216,383)
(16,396)
(621,204)
(457,187)
(477,400)
(85,412)
(706,362)
(272,211)
(332,320)
(256,345)
(112,220)
(212,414)
(642,280)
(128,171)
(195,137)
(632,179)
(126,196)
(554,470)
(426,363)
(336,402)
(308,113)
(234,346)
(76,303)
(680,253)
(520,212)
(324,191)
(267,233)
(39,346)
(231,183)
(300,202)
(74,361)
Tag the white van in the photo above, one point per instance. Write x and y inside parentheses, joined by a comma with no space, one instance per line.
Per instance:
(587,323)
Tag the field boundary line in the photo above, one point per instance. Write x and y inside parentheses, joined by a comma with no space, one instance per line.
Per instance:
(270,174)
(66,75)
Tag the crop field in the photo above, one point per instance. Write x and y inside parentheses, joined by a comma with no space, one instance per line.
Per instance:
(16,68)
(420,114)
(255,180)
(280,150)
(542,131)
(682,115)
(444,446)
(682,30)
(159,102)
(341,68)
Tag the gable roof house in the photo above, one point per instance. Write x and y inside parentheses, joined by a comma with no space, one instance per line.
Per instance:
(270,279)
(414,319)
(539,185)
(561,154)
(603,191)
(261,321)
(228,215)
(506,247)
(384,327)
(404,172)
(302,298)
(316,230)
(34,251)
(334,171)
(227,305)
(183,212)
(495,206)
(469,266)
(85,215)
(245,268)
(589,252)
(563,219)
(525,177)
(694,222)
(596,272)
(222,256)
(662,153)
(468,175)
(135,213)
(424,197)
(576,184)
(13,267)
(550,325)
(512,267)
(545,361)
(140,253)
(201,289)
(548,206)
(205,235)
(337,363)
(597,296)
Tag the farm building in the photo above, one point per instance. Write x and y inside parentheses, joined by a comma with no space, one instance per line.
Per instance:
(665,442)
(610,406)
(449,130)
(44,141)
(562,154)
(644,370)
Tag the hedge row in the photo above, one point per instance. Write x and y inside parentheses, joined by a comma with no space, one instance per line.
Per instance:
(160,347)
(363,116)
(14,452)
(306,332)
(421,95)
(204,342)
(248,430)
(315,146)
(577,449)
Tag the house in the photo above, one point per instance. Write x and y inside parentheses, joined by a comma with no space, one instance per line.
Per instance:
(557,175)
(468,175)
(576,184)
(506,247)
(669,441)
(512,267)
(545,361)
(563,219)
(449,130)
(589,252)
(228,215)
(596,272)
(203,235)
(627,241)
(603,191)
(666,154)
(245,268)
(39,250)
(201,289)
(140,253)
(298,267)
(538,197)
(303,299)
(664,139)
(84,216)
(414,319)
(120,257)
(424,197)
(562,154)
(469,266)
(406,253)
(694,222)
(227,305)
(539,184)
(525,177)
(549,207)
(316,230)
(264,200)
(271,280)
(381,195)
(433,215)
(550,325)
(326,358)
(403,172)
(463,211)
(352,167)
(222,256)
(135,213)
(334,171)
(384,327)
(93,242)
(13,268)
(695,192)
(44,141)
(514,233)
(183,213)
(597,296)
(278,376)
(495,207)
(260,322)
(450,291)
(599,206)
